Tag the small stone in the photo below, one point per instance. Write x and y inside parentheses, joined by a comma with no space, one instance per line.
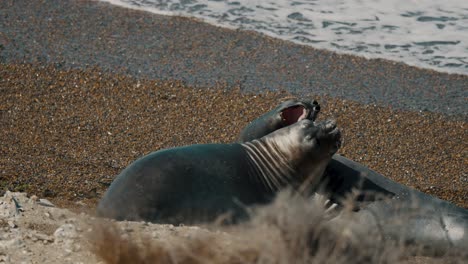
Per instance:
(26,252)
(80,203)
(66,231)
(12,224)
(34,198)
(5,259)
(12,243)
(76,247)
(70,220)
(128,229)
(44,237)
(45,202)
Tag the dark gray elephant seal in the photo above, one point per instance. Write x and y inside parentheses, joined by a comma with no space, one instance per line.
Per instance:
(428,221)
(397,211)
(201,182)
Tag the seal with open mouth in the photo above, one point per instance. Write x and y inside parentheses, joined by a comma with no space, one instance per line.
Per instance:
(199,183)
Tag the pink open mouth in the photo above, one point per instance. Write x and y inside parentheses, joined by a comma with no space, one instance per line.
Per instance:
(293,114)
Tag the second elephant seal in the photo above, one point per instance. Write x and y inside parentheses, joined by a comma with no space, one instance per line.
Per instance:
(201,182)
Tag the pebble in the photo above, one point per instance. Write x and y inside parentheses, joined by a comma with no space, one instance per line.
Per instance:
(65,232)
(44,237)
(12,224)
(45,202)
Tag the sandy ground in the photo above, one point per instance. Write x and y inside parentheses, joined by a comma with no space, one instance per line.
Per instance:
(35,231)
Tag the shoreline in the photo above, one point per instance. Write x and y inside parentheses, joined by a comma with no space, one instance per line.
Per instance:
(82,34)
(215,23)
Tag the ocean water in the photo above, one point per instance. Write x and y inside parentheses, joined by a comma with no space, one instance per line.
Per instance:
(424,33)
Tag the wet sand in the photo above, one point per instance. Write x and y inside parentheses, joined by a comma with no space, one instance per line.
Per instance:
(95,98)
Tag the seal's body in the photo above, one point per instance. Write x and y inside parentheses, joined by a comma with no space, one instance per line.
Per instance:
(343,176)
(400,211)
(202,182)
(395,210)
(192,182)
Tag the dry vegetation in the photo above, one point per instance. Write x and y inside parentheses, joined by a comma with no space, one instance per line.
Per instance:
(292,230)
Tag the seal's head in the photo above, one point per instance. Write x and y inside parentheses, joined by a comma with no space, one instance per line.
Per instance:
(287,113)
(292,111)
(309,147)
(294,155)
(307,140)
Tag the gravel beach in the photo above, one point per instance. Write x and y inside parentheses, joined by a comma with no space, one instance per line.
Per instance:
(67,133)
(86,89)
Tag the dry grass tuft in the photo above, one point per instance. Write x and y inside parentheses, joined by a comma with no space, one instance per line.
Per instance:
(291,230)
(115,247)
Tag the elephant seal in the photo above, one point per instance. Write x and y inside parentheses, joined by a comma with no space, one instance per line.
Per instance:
(199,183)
(384,200)
(398,212)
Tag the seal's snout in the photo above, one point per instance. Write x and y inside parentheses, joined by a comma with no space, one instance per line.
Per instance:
(314,110)
(315,106)
(330,135)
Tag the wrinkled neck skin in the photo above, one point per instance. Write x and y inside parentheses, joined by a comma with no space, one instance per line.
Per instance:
(273,164)
(269,166)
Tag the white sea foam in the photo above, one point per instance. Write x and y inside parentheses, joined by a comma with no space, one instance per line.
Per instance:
(424,33)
